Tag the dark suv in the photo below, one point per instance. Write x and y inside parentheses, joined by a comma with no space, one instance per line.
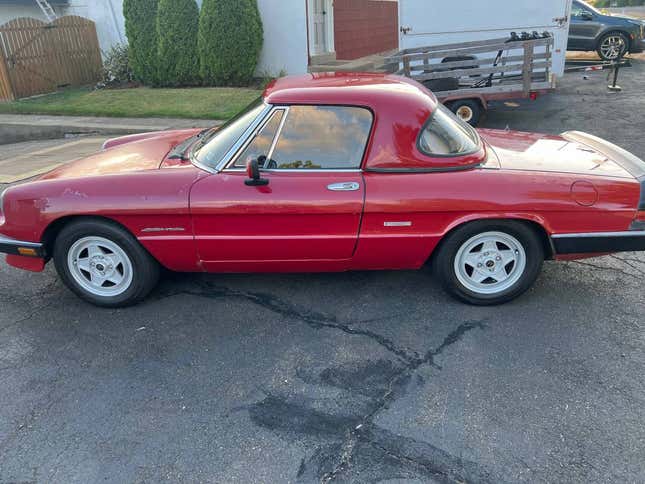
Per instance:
(609,35)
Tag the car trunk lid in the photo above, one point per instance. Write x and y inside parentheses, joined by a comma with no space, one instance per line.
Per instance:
(572,152)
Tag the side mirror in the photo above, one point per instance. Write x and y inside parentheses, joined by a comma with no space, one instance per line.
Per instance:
(587,16)
(253,172)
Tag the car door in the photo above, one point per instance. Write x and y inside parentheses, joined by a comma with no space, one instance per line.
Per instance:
(585,26)
(310,211)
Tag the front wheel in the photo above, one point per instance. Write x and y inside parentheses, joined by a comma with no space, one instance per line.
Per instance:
(612,46)
(104,264)
(488,263)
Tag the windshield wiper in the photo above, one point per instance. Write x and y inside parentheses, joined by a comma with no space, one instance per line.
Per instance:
(179,151)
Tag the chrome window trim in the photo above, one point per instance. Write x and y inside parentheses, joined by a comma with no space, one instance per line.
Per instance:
(230,154)
(313,170)
(298,170)
(227,166)
(278,133)
(266,119)
(256,131)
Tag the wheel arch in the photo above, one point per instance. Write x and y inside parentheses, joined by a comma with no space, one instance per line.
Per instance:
(54,228)
(536,225)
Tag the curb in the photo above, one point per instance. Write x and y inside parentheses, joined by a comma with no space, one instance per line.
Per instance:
(25,129)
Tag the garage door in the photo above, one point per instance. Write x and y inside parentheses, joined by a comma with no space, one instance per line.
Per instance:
(450,21)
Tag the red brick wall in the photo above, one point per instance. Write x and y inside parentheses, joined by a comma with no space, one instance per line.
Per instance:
(364,27)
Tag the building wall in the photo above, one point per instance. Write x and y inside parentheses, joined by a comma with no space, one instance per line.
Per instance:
(108,16)
(10,12)
(285,28)
(364,27)
(285,37)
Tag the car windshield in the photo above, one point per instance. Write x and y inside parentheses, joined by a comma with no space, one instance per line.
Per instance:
(446,135)
(215,146)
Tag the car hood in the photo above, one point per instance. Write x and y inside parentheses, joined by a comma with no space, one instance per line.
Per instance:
(127,154)
(571,152)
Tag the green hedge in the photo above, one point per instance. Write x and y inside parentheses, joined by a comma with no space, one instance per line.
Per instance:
(177,24)
(229,42)
(141,29)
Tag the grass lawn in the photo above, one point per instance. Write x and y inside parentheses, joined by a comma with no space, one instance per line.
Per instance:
(204,103)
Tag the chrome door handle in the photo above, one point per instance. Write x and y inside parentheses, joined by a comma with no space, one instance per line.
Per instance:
(344,187)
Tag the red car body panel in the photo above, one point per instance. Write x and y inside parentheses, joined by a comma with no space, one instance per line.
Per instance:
(293,218)
(190,219)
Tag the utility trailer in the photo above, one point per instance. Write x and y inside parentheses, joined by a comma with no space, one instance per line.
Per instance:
(467,75)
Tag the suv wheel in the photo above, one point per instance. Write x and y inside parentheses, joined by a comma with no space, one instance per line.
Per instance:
(612,46)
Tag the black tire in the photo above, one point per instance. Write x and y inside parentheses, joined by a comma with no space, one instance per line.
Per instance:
(444,84)
(607,36)
(459,58)
(145,270)
(472,107)
(443,262)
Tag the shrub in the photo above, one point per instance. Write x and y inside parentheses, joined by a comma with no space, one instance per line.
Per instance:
(116,67)
(230,41)
(177,24)
(141,29)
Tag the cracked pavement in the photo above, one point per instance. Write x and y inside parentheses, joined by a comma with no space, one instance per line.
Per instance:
(359,377)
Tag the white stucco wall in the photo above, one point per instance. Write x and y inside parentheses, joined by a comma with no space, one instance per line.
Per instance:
(108,16)
(285,37)
(10,12)
(285,29)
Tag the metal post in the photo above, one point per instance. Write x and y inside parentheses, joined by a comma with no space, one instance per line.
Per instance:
(614,87)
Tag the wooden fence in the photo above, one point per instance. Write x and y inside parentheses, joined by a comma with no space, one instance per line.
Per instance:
(38,57)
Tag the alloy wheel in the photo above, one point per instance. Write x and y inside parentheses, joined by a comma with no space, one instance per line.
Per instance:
(100,266)
(613,47)
(490,263)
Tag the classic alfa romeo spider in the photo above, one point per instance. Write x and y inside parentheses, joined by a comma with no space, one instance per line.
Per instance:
(329,172)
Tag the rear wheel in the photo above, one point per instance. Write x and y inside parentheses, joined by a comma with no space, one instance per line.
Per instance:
(487,263)
(468,110)
(613,46)
(104,264)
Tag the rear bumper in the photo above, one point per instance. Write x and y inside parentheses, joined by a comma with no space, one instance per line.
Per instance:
(599,243)
(20,247)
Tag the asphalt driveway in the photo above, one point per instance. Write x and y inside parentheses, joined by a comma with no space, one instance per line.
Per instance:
(356,377)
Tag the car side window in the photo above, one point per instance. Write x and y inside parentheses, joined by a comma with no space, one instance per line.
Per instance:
(261,144)
(446,135)
(322,137)
(576,11)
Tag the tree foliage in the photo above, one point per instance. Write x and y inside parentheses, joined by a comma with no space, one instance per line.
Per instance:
(618,3)
(141,29)
(229,42)
(177,24)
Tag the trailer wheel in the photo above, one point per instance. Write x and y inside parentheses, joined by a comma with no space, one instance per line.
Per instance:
(468,110)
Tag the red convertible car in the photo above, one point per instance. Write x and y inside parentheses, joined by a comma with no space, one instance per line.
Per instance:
(329,172)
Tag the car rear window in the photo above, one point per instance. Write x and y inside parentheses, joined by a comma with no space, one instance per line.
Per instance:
(446,135)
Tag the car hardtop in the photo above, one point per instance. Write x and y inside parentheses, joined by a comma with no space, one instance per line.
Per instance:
(401,108)
(370,90)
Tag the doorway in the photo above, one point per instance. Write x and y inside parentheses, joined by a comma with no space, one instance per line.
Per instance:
(321,27)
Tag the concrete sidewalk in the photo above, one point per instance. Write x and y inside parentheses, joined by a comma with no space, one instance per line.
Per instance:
(16,128)
(20,161)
